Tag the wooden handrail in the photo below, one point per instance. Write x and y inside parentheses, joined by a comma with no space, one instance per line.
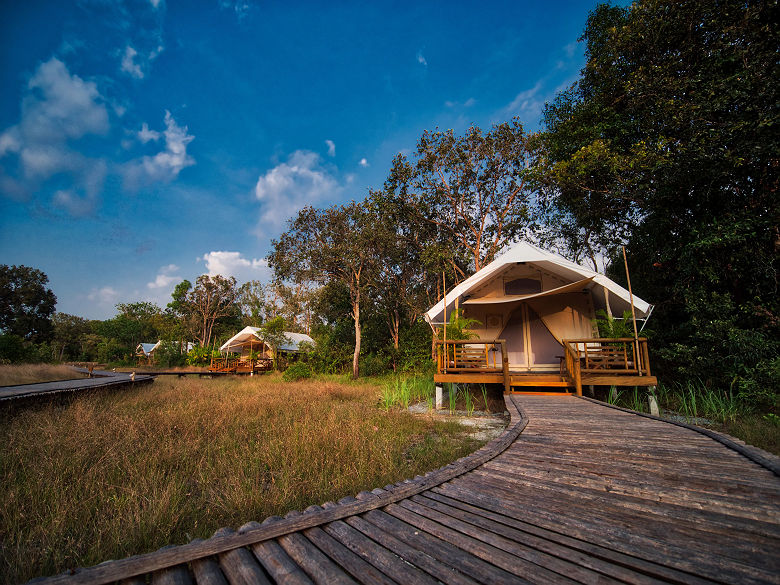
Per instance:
(605,354)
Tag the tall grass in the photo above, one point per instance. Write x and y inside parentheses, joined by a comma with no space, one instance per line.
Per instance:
(13,374)
(114,474)
(694,400)
(403,391)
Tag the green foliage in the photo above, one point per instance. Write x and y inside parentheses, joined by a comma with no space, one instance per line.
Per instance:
(615,328)
(26,305)
(13,349)
(405,390)
(299,370)
(111,351)
(458,326)
(200,356)
(668,143)
(272,332)
(169,355)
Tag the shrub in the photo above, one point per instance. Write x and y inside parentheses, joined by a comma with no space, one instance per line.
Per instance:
(297,371)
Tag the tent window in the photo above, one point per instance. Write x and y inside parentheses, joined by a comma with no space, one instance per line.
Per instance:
(522,286)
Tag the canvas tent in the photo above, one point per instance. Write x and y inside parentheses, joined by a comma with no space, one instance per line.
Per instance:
(249,340)
(534,300)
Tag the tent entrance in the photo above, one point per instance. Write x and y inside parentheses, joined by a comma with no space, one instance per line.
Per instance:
(530,345)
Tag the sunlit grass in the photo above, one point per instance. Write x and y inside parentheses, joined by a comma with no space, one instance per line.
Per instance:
(13,374)
(115,474)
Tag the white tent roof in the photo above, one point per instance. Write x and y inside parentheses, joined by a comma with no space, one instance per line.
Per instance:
(559,266)
(247,333)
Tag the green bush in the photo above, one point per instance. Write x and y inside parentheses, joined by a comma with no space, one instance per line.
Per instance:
(297,371)
(169,355)
(200,356)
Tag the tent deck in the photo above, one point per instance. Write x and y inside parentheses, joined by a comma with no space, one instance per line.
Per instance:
(596,362)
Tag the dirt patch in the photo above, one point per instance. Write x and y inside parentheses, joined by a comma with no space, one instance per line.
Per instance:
(483,426)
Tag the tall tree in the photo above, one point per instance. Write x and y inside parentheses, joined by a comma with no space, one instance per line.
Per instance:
(329,245)
(26,305)
(475,188)
(668,142)
(213,298)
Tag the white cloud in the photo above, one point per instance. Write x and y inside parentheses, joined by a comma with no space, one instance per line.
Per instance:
(104,296)
(137,68)
(155,3)
(363,163)
(234,264)
(291,185)
(421,59)
(145,134)
(165,165)
(467,104)
(528,103)
(241,7)
(129,65)
(330,143)
(165,277)
(58,107)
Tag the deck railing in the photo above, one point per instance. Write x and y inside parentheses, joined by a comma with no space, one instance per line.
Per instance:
(236,364)
(469,354)
(606,355)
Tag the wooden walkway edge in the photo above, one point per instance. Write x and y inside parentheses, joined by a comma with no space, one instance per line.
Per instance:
(101,379)
(573,491)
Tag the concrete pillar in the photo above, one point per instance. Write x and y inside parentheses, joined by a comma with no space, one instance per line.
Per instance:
(652,401)
(439,397)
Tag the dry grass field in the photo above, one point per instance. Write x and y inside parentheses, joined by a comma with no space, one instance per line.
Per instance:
(114,474)
(11,375)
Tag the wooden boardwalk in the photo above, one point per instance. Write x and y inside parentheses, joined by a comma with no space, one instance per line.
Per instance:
(574,491)
(102,379)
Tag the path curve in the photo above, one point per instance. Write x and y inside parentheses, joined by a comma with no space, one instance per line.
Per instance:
(573,491)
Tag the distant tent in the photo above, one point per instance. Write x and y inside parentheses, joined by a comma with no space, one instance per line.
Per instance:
(249,339)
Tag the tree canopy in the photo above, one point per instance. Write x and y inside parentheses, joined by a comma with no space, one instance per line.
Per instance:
(26,305)
(668,142)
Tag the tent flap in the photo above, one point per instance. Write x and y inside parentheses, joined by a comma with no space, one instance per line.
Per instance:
(567,288)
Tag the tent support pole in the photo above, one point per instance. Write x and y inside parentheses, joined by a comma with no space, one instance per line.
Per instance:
(637,357)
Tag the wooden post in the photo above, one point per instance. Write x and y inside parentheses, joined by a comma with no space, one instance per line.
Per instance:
(444,296)
(633,314)
(505,366)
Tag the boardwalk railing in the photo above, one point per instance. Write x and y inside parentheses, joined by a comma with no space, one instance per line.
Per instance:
(607,355)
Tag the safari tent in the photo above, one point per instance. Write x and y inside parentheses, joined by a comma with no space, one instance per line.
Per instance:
(246,351)
(537,303)
(250,340)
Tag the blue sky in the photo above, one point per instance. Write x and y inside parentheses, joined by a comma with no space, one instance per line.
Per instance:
(146,142)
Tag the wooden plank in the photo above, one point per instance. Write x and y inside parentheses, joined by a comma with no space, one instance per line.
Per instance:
(495,510)
(316,564)
(454,519)
(381,558)
(440,559)
(207,572)
(633,534)
(488,522)
(173,576)
(278,564)
(352,558)
(519,567)
(618,380)
(239,565)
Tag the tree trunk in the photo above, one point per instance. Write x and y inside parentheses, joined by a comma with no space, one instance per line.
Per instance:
(356,315)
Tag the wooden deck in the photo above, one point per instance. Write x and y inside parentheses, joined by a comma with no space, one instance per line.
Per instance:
(586,362)
(573,491)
